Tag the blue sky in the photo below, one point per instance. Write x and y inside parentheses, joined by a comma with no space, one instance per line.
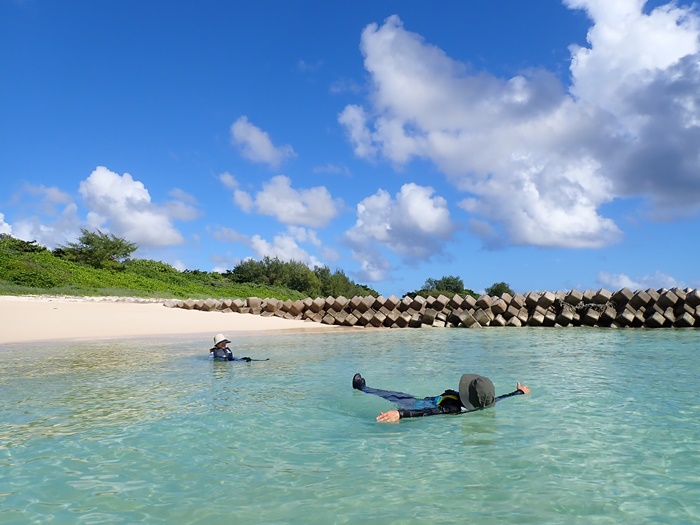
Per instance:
(551,145)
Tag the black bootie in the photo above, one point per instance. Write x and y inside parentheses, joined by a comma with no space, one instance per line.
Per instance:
(358,382)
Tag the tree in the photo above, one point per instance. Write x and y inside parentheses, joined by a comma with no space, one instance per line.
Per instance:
(248,271)
(11,244)
(448,283)
(337,283)
(301,278)
(498,289)
(97,249)
(296,275)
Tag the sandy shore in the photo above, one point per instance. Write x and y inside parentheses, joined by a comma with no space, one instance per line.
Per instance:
(43,318)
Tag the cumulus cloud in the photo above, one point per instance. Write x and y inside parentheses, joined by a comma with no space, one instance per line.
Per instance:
(241,198)
(644,70)
(255,144)
(617,281)
(124,207)
(354,119)
(4,227)
(536,159)
(53,219)
(415,225)
(304,235)
(228,180)
(314,207)
(285,246)
(49,232)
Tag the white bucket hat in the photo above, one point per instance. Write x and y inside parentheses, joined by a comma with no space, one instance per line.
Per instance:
(220,338)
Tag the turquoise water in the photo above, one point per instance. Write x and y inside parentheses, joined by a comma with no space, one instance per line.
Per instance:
(153,432)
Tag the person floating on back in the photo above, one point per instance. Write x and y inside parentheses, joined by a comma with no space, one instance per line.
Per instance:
(221,351)
(475,393)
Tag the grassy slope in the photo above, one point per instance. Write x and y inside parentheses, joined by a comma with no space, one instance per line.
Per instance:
(43,273)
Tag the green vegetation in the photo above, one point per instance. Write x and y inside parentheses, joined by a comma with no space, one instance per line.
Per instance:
(99,265)
(97,249)
(319,282)
(448,285)
(498,289)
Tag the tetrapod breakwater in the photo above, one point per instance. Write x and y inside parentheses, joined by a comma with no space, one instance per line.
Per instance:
(664,308)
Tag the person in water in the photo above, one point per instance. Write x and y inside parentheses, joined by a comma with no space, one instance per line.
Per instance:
(475,393)
(221,351)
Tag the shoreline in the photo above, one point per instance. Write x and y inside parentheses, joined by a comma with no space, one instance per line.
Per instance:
(26,319)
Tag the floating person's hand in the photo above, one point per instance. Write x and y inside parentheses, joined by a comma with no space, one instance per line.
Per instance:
(392,416)
(523,388)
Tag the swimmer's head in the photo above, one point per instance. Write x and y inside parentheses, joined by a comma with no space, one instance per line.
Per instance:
(476,392)
(220,338)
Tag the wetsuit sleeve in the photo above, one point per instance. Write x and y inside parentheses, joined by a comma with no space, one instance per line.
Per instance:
(514,393)
(430,411)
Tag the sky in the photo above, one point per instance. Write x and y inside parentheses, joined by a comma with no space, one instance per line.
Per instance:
(549,145)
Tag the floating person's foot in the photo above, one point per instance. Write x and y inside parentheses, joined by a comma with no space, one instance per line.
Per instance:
(358,382)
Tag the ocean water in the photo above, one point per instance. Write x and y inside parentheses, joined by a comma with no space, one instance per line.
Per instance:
(151,431)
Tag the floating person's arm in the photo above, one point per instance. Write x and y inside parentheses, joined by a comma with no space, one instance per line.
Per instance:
(519,391)
(393,416)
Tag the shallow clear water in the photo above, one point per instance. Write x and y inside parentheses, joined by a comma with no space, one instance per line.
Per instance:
(153,432)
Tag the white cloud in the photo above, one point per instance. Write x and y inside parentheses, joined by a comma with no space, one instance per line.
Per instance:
(354,119)
(538,162)
(628,48)
(644,70)
(54,216)
(329,254)
(50,197)
(228,180)
(183,205)
(283,246)
(656,281)
(4,227)
(304,235)
(243,200)
(415,225)
(64,228)
(374,267)
(255,144)
(229,235)
(123,205)
(313,207)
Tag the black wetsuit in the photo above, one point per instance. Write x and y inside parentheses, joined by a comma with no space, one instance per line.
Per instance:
(409,406)
(225,354)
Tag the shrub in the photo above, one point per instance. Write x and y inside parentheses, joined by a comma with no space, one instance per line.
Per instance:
(498,289)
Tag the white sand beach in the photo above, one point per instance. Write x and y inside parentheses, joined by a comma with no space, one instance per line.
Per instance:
(44,318)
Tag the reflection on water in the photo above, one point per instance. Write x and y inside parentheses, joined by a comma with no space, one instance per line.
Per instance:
(154,432)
